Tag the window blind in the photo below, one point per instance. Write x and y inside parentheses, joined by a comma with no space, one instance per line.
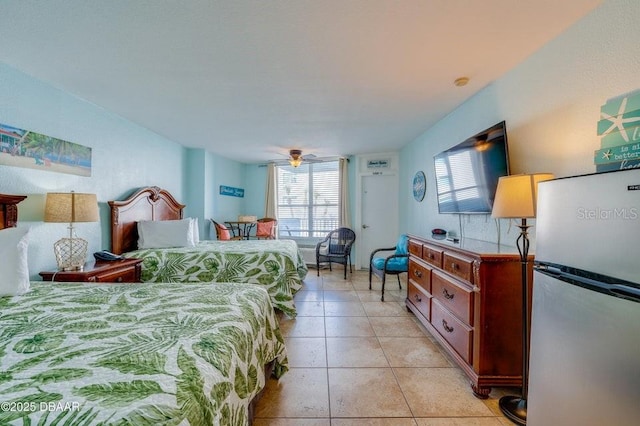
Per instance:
(308,199)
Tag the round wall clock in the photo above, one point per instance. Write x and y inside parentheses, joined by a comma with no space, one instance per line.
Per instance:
(419,186)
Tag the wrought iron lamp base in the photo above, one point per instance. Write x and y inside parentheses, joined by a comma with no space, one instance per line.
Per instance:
(514,408)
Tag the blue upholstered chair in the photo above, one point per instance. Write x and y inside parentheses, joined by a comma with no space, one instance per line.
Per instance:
(394,264)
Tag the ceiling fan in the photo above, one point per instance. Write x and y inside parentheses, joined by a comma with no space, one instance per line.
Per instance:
(296,158)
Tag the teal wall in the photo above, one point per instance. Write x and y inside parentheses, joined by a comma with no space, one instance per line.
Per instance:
(551,103)
(205,172)
(198,197)
(124,157)
(256,186)
(228,173)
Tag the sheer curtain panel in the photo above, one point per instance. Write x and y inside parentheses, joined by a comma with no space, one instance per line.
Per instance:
(345,215)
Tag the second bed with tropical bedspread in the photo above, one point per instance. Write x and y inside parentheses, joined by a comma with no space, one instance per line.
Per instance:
(143,354)
(274,264)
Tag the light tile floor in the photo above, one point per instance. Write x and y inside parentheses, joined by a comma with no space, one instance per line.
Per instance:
(355,360)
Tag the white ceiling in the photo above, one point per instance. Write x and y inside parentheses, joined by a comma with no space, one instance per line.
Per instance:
(250,79)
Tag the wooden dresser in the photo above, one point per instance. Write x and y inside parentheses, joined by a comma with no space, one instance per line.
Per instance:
(468,295)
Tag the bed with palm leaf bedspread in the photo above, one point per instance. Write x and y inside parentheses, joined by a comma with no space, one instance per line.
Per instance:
(275,264)
(143,354)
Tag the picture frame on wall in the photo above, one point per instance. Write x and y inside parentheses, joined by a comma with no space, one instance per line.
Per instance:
(32,150)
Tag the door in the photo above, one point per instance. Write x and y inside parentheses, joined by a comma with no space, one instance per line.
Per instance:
(379,215)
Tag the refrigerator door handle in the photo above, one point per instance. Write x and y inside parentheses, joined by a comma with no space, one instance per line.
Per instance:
(547,269)
(626,292)
(577,280)
(629,292)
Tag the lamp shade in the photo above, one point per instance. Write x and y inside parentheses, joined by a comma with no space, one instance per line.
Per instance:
(71,207)
(516,196)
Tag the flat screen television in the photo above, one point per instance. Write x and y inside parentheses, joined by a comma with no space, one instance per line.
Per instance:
(467,174)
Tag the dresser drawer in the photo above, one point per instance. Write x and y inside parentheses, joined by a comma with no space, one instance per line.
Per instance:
(460,266)
(415,248)
(420,298)
(455,296)
(457,334)
(127,275)
(420,273)
(432,255)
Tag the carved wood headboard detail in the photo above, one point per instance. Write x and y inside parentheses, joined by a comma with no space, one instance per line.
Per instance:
(9,210)
(150,203)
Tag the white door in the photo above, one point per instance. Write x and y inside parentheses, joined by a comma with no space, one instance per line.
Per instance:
(379,215)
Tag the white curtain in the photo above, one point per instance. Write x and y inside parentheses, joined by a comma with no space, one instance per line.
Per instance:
(345,216)
(271,194)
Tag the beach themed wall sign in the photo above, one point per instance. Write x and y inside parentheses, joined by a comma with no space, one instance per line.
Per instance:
(619,129)
(231,191)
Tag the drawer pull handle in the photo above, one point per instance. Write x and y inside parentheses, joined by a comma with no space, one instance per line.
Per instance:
(454,266)
(418,298)
(119,280)
(446,327)
(431,256)
(418,273)
(447,295)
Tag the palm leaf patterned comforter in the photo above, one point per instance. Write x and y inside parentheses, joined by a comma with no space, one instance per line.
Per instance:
(275,264)
(135,354)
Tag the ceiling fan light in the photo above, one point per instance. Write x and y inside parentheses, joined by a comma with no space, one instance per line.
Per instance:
(295,157)
(295,162)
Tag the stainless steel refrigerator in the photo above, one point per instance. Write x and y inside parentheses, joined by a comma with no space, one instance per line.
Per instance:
(585,321)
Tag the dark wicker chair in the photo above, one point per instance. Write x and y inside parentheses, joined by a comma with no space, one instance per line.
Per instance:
(336,247)
(395,264)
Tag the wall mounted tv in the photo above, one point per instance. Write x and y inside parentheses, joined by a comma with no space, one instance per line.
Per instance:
(467,174)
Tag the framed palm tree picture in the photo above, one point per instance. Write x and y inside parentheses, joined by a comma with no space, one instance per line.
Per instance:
(28,149)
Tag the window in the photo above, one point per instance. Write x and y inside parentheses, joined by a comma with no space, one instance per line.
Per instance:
(308,199)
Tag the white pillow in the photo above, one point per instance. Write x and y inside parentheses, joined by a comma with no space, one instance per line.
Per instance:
(195,231)
(165,234)
(14,244)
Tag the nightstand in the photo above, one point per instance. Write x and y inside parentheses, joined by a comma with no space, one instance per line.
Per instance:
(118,271)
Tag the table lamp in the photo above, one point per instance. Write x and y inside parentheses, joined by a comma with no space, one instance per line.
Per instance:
(516,198)
(70,207)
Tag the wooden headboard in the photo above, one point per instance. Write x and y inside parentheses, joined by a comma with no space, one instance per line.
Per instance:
(9,210)
(151,203)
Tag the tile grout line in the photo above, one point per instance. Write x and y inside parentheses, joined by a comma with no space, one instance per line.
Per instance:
(326,351)
(362,299)
(393,372)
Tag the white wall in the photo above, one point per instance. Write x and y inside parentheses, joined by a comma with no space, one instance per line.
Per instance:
(124,157)
(551,104)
